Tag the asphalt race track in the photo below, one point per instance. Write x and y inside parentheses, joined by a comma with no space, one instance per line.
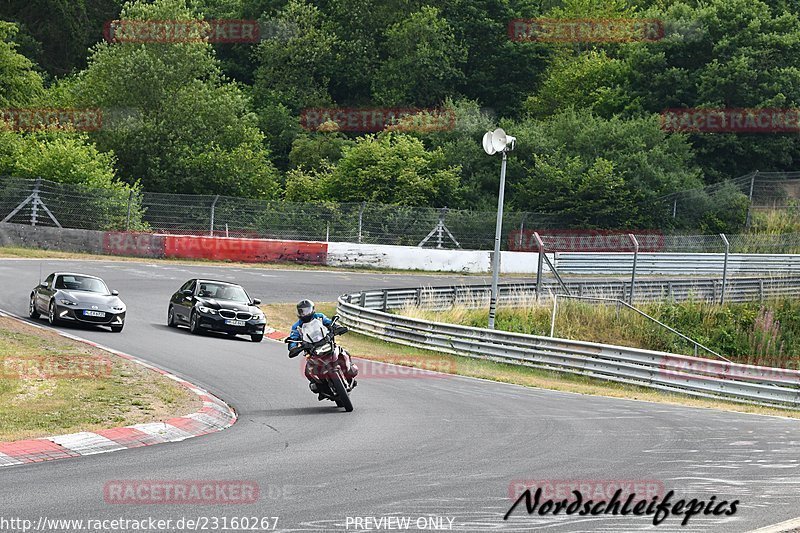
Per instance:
(442,447)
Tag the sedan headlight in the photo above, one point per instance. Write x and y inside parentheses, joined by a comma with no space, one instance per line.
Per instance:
(119,308)
(258,315)
(64,301)
(206,310)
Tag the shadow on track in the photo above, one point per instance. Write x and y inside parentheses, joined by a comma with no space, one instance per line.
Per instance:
(295,411)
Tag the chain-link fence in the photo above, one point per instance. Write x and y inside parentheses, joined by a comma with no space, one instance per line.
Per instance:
(756,191)
(42,202)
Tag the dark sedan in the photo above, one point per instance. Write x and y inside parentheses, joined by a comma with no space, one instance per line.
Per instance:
(78,298)
(209,305)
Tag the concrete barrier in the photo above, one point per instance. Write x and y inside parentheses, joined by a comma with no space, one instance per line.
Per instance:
(406,257)
(49,238)
(429,259)
(522,263)
(133,244)
(245,250)
(380,256)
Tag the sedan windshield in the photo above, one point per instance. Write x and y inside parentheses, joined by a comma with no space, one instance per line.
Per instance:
(81,283)
(222,291)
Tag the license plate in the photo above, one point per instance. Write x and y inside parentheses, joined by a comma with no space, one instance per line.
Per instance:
(94,313)
(235,322)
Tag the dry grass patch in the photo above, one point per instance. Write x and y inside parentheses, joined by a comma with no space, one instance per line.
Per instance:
(50,385)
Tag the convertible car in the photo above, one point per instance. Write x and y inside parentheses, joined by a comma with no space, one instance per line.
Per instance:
(78,298)
(208,305)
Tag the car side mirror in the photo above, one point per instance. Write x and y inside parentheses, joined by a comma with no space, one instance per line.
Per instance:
(256,301)
(187,292)
(115,293)
(43,285)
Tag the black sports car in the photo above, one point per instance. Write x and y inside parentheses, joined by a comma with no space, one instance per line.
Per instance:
(208,305)
(79,298)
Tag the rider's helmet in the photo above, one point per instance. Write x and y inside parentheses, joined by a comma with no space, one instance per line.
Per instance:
(305,310)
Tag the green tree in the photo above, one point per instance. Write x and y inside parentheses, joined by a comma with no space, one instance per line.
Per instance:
(423,63)
(600,173)
(388,168)
(57,34)
(175,123)
(720,53)
(316,150)
(20,84)
(295,71)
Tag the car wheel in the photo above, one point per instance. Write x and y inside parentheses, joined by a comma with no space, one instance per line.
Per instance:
(117,329)
(32,311)
(194,327)
(51,314)
(257,338)
(171,317)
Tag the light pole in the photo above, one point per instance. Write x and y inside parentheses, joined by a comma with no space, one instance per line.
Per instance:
(493,142)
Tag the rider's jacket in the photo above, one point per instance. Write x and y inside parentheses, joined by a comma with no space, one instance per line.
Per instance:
(297,326)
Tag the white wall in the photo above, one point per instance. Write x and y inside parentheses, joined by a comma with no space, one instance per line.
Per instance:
(522,262)
(429,259)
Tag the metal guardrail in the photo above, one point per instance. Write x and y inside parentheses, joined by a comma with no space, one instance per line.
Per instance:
(365,313)
(647,290)
(662,263)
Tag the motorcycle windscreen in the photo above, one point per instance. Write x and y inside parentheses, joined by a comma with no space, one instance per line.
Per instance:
(314,331)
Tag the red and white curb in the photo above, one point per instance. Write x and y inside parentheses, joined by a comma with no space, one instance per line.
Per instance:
(214,416)
(274,334)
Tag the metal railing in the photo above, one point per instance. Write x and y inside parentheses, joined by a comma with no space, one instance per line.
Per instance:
(647,290)
(365,313)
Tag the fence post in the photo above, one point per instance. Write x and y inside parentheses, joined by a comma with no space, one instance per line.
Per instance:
(750,197)
(419,296)
(128,219)
(553,316)
(675,207)
(35,204)
(522,230)
(761,290)
(724,267)
(540,245)
(361,219)
(328,231)
(385,300)
(213,208)
(440,230)
(635,261)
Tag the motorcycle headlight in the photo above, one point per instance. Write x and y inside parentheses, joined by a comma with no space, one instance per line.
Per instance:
(206,310)
(324,348)
(64,301)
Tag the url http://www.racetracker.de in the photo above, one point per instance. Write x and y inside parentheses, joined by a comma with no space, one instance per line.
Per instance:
(145,524)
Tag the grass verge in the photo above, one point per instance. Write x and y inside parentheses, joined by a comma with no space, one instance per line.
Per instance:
(281,317)
(51,385)
(754,333)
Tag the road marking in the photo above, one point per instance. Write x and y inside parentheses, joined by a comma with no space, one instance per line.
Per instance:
(788,525)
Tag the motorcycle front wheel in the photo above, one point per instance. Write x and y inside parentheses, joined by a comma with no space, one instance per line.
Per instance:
(341,397)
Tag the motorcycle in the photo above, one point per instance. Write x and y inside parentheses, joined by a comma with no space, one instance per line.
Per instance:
(318,345)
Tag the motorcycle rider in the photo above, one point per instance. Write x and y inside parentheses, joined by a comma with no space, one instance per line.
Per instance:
(306,313)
